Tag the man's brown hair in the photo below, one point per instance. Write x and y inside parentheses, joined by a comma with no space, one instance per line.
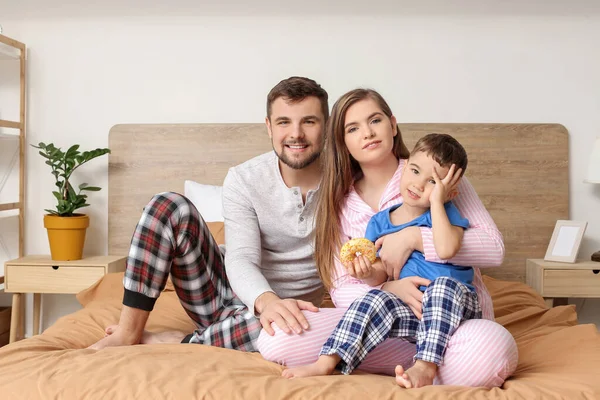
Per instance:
(296,89)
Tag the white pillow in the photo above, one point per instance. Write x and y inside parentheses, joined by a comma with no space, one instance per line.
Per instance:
(207,199)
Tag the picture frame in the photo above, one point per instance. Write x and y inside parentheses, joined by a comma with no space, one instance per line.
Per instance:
(566,240)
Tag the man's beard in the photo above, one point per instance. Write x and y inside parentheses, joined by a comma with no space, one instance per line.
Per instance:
(296,164)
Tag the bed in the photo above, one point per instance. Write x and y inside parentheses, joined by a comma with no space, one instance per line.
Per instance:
(519,170)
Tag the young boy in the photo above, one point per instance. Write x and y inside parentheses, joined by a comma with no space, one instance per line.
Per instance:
(424,194)
(450,297)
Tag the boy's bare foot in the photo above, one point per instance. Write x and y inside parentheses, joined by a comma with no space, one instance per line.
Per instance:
(419,375)
(153,337)
(323,366)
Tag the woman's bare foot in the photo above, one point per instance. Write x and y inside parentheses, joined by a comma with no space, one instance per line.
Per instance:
(153,337)
(323,366)
(419,375)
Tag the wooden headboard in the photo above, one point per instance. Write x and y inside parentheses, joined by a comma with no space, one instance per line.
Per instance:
(520,172)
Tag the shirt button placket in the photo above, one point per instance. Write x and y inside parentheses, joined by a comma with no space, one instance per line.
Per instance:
(300,208)
(301,225)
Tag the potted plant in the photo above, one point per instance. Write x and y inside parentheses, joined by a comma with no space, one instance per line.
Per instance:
(66,229)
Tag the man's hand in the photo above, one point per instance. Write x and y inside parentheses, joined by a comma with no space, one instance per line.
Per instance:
(286,313)
(397,247)
(407,290)
(445,189)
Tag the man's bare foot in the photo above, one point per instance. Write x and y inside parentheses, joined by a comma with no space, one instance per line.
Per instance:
(153,337)
(118,337)
(419,375)
(323,366)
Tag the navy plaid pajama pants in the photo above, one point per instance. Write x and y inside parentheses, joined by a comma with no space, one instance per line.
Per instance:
(379,315)
(171,238)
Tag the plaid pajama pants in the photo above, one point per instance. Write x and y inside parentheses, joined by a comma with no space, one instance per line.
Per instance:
(379,315)
(171,238)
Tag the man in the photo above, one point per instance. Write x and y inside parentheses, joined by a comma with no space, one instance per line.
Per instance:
(268,273)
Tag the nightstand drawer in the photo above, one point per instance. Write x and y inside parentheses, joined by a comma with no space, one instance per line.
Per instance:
(48,279)
(571,283)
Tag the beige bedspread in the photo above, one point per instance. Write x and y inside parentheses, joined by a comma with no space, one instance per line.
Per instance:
(558,359)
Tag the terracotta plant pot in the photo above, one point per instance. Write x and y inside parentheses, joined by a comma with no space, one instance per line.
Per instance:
(66,236)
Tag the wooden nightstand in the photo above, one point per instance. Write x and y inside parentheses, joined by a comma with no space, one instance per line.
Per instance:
(562,280)
(40,274)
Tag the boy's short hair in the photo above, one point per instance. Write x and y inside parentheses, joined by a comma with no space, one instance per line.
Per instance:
(444,149)
(296,89)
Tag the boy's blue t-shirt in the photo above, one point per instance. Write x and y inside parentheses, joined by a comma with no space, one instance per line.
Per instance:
(416,265)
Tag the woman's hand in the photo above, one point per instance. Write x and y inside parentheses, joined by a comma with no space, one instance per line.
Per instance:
(361,268)
(407,290)
(397,247)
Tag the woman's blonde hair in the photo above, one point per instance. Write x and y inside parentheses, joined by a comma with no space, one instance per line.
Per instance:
(340,170)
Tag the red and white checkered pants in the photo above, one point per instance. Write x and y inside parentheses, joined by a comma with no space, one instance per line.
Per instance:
(172,238)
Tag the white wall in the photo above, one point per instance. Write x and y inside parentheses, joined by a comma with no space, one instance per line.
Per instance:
(480,62)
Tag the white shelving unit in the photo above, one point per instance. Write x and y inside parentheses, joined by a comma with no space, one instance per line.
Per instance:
(11,130)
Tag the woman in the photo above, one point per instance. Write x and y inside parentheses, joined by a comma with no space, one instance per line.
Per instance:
(362,161)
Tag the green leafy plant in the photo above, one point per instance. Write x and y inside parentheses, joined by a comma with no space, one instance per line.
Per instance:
(63,163)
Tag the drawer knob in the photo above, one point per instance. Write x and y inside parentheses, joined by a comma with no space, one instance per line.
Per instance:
(55,267)
(596,271)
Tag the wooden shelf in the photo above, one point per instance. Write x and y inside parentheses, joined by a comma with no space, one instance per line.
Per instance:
(10,206)
(10,124)
(10,49)
(14,50)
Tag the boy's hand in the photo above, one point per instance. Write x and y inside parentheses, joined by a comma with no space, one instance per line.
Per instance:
(445,189)
(360,268)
